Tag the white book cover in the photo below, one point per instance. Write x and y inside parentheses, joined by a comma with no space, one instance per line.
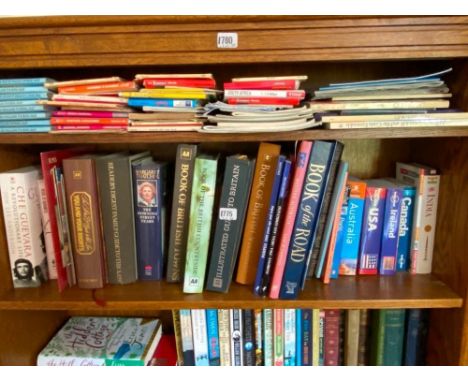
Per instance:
(241,93)
(224,336)
(427,184)
(290,337)
(200,337)
(22,214)
(187,337)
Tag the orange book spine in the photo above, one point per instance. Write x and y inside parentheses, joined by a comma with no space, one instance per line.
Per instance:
(109,87)
(262,185)
(88,121)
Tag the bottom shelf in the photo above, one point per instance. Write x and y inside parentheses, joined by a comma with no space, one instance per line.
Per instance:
(365,292)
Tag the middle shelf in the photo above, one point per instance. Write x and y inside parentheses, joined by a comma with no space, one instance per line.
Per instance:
(366,292)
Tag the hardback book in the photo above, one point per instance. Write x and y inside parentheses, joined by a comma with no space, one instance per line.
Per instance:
(152,83)
(237,342)
(54,184)
(278,337)
(166,352)
(405,226)
(187,338)
(182,195)
(200,337)
(321,338)
(352,337)
(268,347)
(343,209)
(224,332)
(178,336)
(353,208)
(331,337)
(201,211)
(317,328)
(85,221)
(24,233)
(417,325)
(263,85)
(76,121)
(388,333)
(89,114)
(314,248)
(47,233)
(287,231)
(272,245)
(257,211)
(230,222)
(341,355)
(114,174)
(306,338)
(262,261)
(371,232)
(427,181)
(149,192)
(213,337)
(103,341)
(248,326)
(289,328)
(364,337)
(258,324)
(299,335)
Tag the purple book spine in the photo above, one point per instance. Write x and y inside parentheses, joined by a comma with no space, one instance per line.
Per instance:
(389,247)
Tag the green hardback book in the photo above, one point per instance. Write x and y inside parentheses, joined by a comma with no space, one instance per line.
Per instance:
(103,341)
(201,211)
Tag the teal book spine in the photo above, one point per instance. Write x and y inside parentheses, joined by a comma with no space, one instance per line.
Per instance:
(33,129)
(201,211)
(43,94)
(394,337)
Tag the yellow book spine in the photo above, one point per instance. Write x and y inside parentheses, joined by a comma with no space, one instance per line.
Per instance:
(315,336)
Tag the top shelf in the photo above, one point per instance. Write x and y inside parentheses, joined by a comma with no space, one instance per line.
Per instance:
(157,137)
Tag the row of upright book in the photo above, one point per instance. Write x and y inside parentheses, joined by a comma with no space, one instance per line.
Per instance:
(301,337)
(270,222)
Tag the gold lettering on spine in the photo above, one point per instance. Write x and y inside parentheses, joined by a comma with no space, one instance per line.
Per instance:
(83,225)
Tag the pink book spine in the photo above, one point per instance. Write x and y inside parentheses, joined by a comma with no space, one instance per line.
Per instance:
(90,114)
(263,85)
(88,127)
(302,159)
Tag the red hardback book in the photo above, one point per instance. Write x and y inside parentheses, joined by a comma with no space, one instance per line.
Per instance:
(264,85)
(204,83)
(50,161)
(88,114)
(264,101)
(332,338)
(88,121)
(166,352)
(78,128)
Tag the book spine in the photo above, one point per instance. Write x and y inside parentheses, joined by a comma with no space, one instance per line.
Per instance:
(340,234)
(394,337)
(315,337)
(299,335)
(377,337)
(302,160)
(88,121)
(88,114)
(85,216)
(95,128)
(200,338)
(264,101)
(371,233)
(43,360)
(34,81)
(352,228)
(213,337)
(201,210)
(23,116)
(248,337)
(182,195)
(237,346)
(263,85)
(248,93)
(364,328)
(230,222)
(268,337)
(25,123)
(42,94)
(46,231)
(175,103)
(416,337)
(118,219)
(306,328)
(224,337)
(102,88)
(321,338)
(257,212)
(341,354)
(395,124)
(152,83)
(389,244)
(178,337)
(332,337)
(404,229)
(187,338)
(352,337)
(258,337)
(6,108)
(39,129)
(289,337)
(269,224)
(165,94)
(278,337)
(149,179)
(21,89)
(22,217)
(274,237)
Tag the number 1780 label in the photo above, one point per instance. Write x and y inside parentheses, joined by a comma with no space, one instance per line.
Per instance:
(227,40)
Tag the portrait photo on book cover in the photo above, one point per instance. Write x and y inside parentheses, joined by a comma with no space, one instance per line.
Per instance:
(26,275)
(147,193)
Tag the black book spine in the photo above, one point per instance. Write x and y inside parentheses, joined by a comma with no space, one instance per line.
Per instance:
(249,337)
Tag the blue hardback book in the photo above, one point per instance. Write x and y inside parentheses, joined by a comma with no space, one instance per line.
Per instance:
(269,224)
(33,129)
(43,94)
(34,81)
(305,225)
(340,236)
(299,335)
(148,195)
(213,337)
(140,102)
(306,352)
(405,228)
(25,123)
(23,116)
(417,324)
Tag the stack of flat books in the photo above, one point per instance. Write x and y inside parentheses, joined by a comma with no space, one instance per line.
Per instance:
(89,105)
(19,112)
(389,103)
(169,102)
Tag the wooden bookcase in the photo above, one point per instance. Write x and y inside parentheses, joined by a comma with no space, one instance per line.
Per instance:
(326,49)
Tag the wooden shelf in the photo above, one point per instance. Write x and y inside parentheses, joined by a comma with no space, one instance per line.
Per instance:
(47,138)
(373,292)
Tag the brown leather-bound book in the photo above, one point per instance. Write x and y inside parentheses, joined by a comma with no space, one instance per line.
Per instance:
(252,238)
(85,221)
